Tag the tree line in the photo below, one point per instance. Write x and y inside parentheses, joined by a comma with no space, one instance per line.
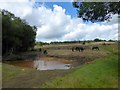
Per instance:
(17,34)
(75,41)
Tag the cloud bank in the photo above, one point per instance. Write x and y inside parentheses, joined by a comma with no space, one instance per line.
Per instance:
(55,25)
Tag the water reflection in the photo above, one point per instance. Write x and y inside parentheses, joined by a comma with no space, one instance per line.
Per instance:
(42,64)
(50,65)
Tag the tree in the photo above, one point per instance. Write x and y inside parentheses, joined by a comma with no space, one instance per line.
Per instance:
(97,40)
(17,35)
(97,11)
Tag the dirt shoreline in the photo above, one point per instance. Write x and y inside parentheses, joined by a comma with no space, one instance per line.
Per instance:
(31,78)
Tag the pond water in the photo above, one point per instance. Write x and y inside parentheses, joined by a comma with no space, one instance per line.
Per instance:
(42,64)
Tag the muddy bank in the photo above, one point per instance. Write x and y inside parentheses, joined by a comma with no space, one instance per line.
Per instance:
(31,55)
(44,63)
(19,77)
(77,58)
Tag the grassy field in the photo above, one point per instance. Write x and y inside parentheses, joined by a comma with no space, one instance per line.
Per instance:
(100,73)
(96,69)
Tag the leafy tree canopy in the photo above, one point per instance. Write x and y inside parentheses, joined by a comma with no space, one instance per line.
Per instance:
(97,11)
(17,35)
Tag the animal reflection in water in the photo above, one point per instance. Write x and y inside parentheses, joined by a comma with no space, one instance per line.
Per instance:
(80,49)
(95,48)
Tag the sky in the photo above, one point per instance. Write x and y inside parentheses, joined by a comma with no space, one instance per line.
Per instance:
(58,21)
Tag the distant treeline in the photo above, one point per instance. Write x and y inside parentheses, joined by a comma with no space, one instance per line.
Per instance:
(41,43)
(17,34)
(65,42)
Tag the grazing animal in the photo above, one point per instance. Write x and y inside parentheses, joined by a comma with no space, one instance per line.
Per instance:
(83,43)
(45,52)
(95,48)
(80,49)
(103,43)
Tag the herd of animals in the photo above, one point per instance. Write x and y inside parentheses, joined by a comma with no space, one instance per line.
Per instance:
(75,48)
(80,49)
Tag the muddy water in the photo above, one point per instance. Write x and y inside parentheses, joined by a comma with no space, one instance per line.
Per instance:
(43,64)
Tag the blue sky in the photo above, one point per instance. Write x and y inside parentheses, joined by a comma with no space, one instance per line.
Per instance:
(57,21)
(66,5)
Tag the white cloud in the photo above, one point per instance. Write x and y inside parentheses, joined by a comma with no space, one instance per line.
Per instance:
(20,9)
(14,1)
(113,20)
(55,25)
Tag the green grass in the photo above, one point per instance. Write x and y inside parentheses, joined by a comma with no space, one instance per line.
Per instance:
(19,77)
(112,48)
(0,67)
(101,73)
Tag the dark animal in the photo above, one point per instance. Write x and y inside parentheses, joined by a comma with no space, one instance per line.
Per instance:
(45,52)
(80,49)
(40,49)
(83,43)
(95,48)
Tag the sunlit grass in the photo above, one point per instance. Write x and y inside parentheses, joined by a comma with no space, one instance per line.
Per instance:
(101,73)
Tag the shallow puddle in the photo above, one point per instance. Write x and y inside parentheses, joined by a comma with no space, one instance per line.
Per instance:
(43,64)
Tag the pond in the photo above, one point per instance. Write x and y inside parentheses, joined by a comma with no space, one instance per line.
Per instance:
(43,64)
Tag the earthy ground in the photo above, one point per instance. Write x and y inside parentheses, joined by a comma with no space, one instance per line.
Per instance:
(18,77)
(30,78)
